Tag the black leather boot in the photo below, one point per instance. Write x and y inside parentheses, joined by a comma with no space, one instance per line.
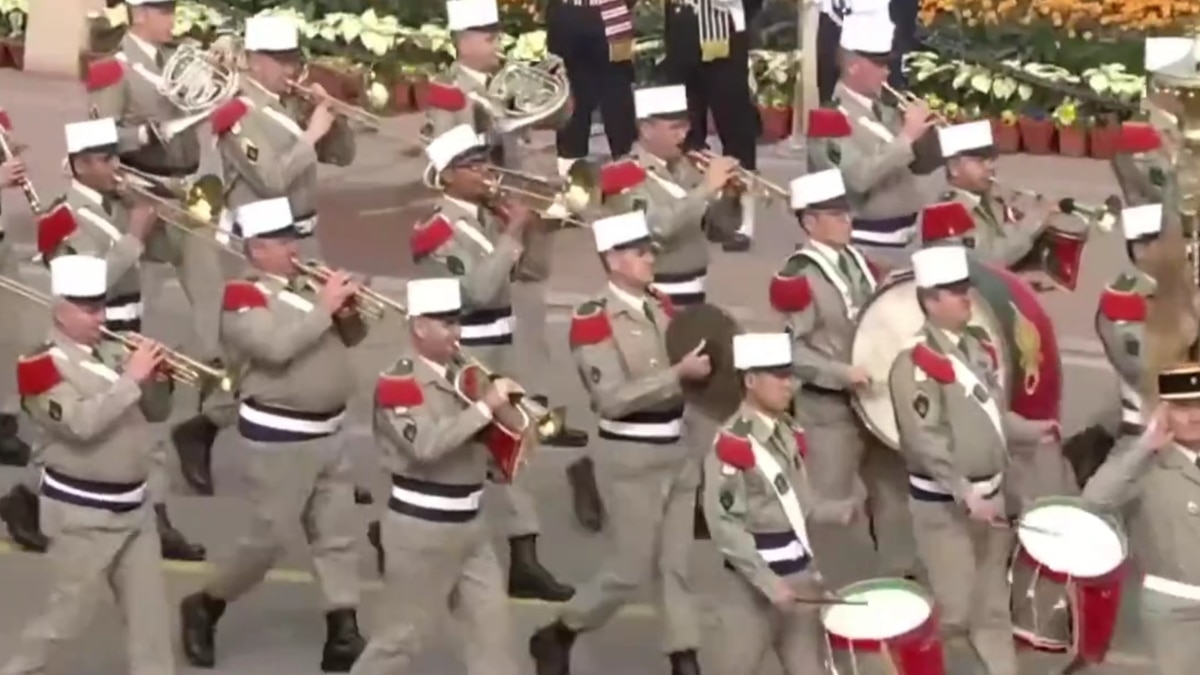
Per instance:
(585,494)
(737,243)
(527,578)
(375,538)
(684,662)
(174,545)
(19,511)
(193,441)
(567,437)
(13,450)
(550,648)
(699,522)
(362,496)
(343,642)
(198,616)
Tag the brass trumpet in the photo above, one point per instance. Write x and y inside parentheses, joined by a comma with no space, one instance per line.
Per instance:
(549,197)
(180,367)
(743,179)
(549,422)
(1104,216)
(372,304)
(904,99)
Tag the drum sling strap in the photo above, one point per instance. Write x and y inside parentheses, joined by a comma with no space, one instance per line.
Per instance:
(838,280)
(974,386)
(784,492)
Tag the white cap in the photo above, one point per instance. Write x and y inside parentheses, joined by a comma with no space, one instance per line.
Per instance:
(90,135)
(82,277)
(466,14)
(660,101)
(443,149)
(940,265)
(1171,55)
(272,34)
(762,350)
(963,137)
(442,295)
(264,217)
(615,231)
(1142,221)
(138,3)
(817,187)
(868,33)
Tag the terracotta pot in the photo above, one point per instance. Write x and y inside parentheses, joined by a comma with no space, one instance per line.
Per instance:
(402,96)
(5,57)
(1037,135)
(420,93)
(1072,141)
(16,52)
(776,123)
(1102,140)
(1007,137)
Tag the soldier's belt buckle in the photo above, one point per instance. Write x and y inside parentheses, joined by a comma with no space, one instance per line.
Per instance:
(620,51)
(713,50)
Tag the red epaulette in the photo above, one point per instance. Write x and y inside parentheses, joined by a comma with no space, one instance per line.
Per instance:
(241,295)
(617,177)
(935,365)
(1122,305)
(827,123)
(790,294)
(430,235)
(37,374)
(398,391)
(226,117)
(663,299)
(5,120)
(53,228)
(589,325)
(735,450)
(801,441)
(442,96)
(103,74)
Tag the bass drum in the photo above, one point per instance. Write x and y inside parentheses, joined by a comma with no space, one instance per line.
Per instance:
(1005,306)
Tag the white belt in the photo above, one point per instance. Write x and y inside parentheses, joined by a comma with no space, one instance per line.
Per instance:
(981,487)
(901,236)
(792,551)
(436,502)
(126,312)
(1176,589)
(293,424)
(643,430)
(681,287)
(498,328)
(134,496)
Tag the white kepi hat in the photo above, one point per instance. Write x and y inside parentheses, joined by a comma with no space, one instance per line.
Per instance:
(91,135)
(940,266)
(266,218)
(468,14)
(756,351)
(817,187)
(433,297)
(653,101)
(272,34)
(1171,55)
(139,3)
(868,34)
(622,230)
(443,150)
(960,138)
(79,277)
(1141,222)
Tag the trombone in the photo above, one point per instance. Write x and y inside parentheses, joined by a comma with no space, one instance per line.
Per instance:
(180,367)
(372,304)
(1104,216)
(742,178)
(550,198)
(200,206)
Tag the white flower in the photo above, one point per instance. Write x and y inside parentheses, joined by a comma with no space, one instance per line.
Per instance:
(530,47)
(378,95)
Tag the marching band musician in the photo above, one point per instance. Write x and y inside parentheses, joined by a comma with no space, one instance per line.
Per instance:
(708,49)
(472,238)
(829,33)
(441,550)
(757,497)
(820,291)
(95,405)
(269,147)
(1144,163)
(13,450)
(617,341)
(104,228)
(1154,480)
(291,342)
(883,191)
(954,433)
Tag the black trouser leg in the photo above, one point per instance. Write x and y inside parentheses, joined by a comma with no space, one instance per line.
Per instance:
(586,87)
(616,107)
(698,105)
(829,36)
(904,16)
(728,90)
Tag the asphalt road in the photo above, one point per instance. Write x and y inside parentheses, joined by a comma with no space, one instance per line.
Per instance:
(367,212)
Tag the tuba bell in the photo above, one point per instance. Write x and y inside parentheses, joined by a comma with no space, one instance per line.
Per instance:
(522,95)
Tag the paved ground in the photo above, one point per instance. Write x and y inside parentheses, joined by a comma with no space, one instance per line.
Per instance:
(367,212)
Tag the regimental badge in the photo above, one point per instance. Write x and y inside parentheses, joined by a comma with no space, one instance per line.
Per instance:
(640,204)
(1132,346)
(781,484)
(834,153)
(251,151)
(594,374)
(726,499)
(54,410)
(969,242)
(921,405)
(980,393)
(94,113)
(1157,177)
(410,431)
(455,265)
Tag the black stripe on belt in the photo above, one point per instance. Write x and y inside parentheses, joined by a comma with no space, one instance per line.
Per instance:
(682,299)
(253,431)
(824,391)
(927,496)
(438,490)
(645,417)
(776,540)
(95,487)
(484,317)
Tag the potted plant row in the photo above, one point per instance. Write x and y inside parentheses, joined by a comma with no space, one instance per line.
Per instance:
(14,15)
(773,74)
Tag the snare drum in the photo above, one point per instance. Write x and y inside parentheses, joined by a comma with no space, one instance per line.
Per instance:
(1066,578)
(894,633)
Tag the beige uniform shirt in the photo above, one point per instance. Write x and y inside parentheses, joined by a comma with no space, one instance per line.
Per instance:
(506,148)
(999,236)
(1121,327)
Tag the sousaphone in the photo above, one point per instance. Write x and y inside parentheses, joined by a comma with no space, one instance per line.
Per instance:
(718,395)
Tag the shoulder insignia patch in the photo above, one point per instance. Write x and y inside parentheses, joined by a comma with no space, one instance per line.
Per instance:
(1118,305)
(103,74)
(921,404)
(733,446)
(455,265)
(251,151)
(37,374)
(834,153)
(789,291)
(401,367)
(54,228)
(241,296)
(429,236)
(226,117)
(1158,177)
(398,391)
(933,364)
(589,325)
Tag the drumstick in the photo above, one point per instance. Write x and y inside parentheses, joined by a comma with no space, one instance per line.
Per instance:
(828,601)
(1026,526)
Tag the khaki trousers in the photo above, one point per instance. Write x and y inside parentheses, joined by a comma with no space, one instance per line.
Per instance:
(434,569)
(90,549)
(967,563)
(1171,626)
(750,628)
(839,450)
(306,483)
(651,507)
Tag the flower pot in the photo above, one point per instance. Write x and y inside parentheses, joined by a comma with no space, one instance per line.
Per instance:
(1037,135)
(1102,140)
(1072,141)
(402,96)
(420,93)
(15,48)
(776,123)
(1006,137)
(5,58)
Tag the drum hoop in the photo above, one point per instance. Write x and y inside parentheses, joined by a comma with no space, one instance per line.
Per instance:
(1078,503)
(879,583)
(855,404)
